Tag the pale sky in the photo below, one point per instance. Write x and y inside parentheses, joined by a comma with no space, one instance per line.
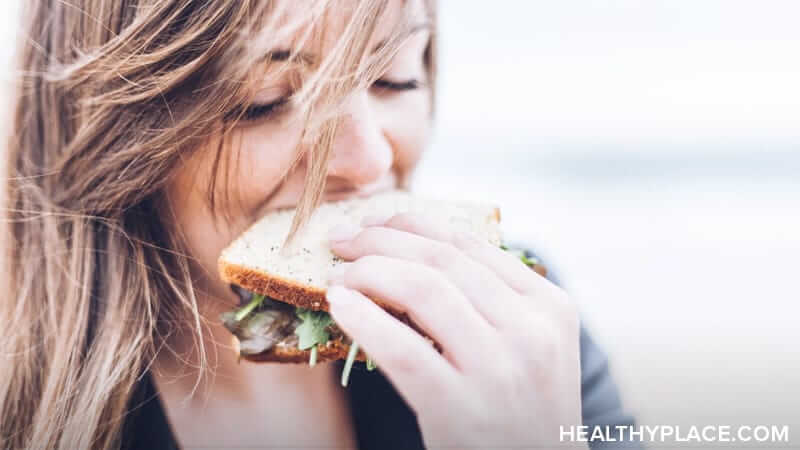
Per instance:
(622,69)
(613,70)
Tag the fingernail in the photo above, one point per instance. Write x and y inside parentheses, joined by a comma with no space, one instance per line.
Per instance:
(339,296)
(343,232)
(374,220)
(336,274)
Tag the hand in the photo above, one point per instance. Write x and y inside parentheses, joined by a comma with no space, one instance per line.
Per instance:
(509,373)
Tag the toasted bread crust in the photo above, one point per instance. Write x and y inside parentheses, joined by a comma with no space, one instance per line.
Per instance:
(291,292)
(333,351)
(278,288)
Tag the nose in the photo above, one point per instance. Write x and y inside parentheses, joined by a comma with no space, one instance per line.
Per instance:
(361,152)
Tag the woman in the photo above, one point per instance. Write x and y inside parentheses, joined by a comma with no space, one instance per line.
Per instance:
(147,134)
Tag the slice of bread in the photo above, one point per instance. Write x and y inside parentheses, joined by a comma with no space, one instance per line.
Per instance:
(297,275)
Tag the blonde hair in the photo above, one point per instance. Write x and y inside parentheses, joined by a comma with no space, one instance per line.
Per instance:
(112,96)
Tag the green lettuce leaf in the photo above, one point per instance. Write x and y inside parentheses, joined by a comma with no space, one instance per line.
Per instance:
(530,262)
(348,363)
(313,329)
(248,308)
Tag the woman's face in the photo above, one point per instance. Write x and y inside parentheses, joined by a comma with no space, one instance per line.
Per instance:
(382,134)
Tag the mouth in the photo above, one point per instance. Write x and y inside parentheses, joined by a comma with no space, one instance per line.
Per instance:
(384,184)
(347,194)
(286,198)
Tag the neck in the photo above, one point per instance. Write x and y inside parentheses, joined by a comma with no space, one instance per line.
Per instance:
(213,400)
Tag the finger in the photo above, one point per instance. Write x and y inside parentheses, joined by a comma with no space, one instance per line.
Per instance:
(415,368)
(431,301)
(490,295)
(506,266)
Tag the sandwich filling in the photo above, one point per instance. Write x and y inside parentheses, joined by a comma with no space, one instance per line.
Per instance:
(263,324)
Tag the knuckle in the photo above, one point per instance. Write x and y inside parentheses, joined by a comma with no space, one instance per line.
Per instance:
(538,344)
(364,267)
(368,238)
(400,363)
(354,248)
(466,240)
(418,297)
(506,380)
(428,286)
(441,256)
(405,221)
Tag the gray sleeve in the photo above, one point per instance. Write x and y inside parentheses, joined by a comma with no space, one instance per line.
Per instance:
(601,401)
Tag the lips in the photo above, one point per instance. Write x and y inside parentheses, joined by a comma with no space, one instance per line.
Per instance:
(384,184)
(287,196)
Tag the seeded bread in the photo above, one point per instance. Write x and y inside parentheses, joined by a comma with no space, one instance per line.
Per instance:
(298,274)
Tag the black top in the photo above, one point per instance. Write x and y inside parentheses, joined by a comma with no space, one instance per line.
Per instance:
(381,417)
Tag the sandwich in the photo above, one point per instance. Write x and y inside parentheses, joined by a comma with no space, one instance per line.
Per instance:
(283,315)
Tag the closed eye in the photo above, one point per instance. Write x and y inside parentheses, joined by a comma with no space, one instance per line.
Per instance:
(384,84)
(267,110)
(263,111)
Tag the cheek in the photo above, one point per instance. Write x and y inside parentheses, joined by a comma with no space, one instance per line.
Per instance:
(257,157)
(193,220)
(262,155)
(406,122)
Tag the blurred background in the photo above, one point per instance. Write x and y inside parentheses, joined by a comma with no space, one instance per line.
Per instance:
(649,151)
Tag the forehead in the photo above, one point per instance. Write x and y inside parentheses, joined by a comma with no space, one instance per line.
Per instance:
(311,31)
